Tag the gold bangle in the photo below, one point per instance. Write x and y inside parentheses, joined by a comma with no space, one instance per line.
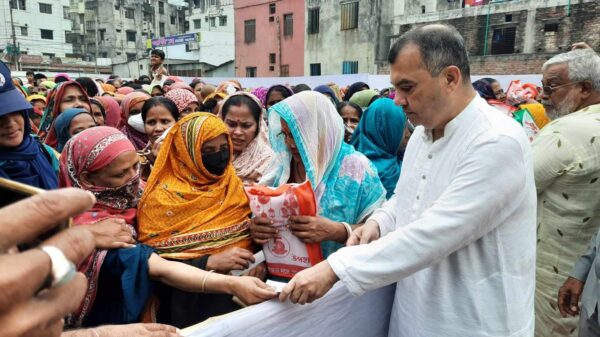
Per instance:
(204,280)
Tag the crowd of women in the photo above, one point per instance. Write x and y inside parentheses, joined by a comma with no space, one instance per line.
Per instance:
(168,164)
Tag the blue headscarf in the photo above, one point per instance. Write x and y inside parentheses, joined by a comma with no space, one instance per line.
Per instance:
(30,162)
(484,88)
(326,90)
(62,125)
(378,136)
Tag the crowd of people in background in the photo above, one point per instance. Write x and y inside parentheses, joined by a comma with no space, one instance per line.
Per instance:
(167,161)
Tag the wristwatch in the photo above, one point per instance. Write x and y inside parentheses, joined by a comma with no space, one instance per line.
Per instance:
(63,270)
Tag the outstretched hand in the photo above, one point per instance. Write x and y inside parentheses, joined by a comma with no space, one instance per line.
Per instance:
(309,284)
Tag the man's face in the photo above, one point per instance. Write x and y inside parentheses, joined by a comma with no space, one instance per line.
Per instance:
(155,60)
(30,78)
(417,92)
(566,96)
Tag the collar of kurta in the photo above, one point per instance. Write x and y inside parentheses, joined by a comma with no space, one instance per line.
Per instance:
(463,118)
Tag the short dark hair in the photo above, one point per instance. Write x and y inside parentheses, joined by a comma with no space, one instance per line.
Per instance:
(113,77)
(29,72)
(160,101)
(441,46)
(239,100)
(301,87)
(195,83)
(89,85)
(39,76)
(158,53)
(144,79)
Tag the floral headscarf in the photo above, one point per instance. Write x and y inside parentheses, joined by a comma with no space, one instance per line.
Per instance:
(345,182)
(181,97)
(252,163)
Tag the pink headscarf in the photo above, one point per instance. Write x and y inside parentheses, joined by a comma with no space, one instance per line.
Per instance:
(64,75)
(181,85)
(90,151)
(113,110)
(125,90)
(182,98)
(139,140)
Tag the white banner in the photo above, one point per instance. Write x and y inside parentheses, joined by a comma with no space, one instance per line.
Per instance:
(338,314)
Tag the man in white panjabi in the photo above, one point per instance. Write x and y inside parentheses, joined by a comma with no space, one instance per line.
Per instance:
(458,237)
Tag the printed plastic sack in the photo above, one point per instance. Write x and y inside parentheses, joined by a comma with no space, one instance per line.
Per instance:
(524,118)
(285,255)
(518,93)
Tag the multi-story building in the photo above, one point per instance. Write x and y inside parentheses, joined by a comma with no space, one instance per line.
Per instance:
(342,37)
(269,38)
(40,27)
(118,30)
(214,54)
(502,36)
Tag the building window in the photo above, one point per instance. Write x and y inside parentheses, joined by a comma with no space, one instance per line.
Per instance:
(250,31)
(272,57)
(45,8)
(89,25)
(49,55)
(47,34)
(161,7)
(101,32)
(503,40)
(284,70)
(24,31)
(551,28)
(315,69)
(66,13)
(313,21)
(129,13)
(130,36)
(161,29)
(213,22)
(173,20)
(349,15)
(288,25)
(250,71)
(18,4)
(223,20)
(508,18)
(350,67)
(197,24)
(271,68)
(131,57)
(272,9)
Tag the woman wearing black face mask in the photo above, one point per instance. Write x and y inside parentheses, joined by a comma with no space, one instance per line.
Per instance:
(194,210)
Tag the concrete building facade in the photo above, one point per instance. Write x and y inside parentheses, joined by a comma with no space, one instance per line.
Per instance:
(40,26)
(502,37)
(269,38)
(344,37)
(508,37)
(118,30)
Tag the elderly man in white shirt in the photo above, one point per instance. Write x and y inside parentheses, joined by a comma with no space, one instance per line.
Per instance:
(458,237)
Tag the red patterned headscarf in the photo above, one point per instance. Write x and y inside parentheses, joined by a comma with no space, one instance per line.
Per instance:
(182,98)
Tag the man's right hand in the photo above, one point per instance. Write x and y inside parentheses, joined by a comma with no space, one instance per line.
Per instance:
(232,259)
(568,297)
(27,311)
(262,230)
(364,234)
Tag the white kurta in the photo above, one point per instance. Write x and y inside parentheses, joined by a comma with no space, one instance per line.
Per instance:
(458,236)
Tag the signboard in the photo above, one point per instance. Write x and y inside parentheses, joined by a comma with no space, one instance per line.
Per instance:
(173,40)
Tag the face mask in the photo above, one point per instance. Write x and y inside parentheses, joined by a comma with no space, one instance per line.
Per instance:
(216,162)
(137,123)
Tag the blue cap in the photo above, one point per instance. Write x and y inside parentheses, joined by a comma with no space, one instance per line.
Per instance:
(11,99)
